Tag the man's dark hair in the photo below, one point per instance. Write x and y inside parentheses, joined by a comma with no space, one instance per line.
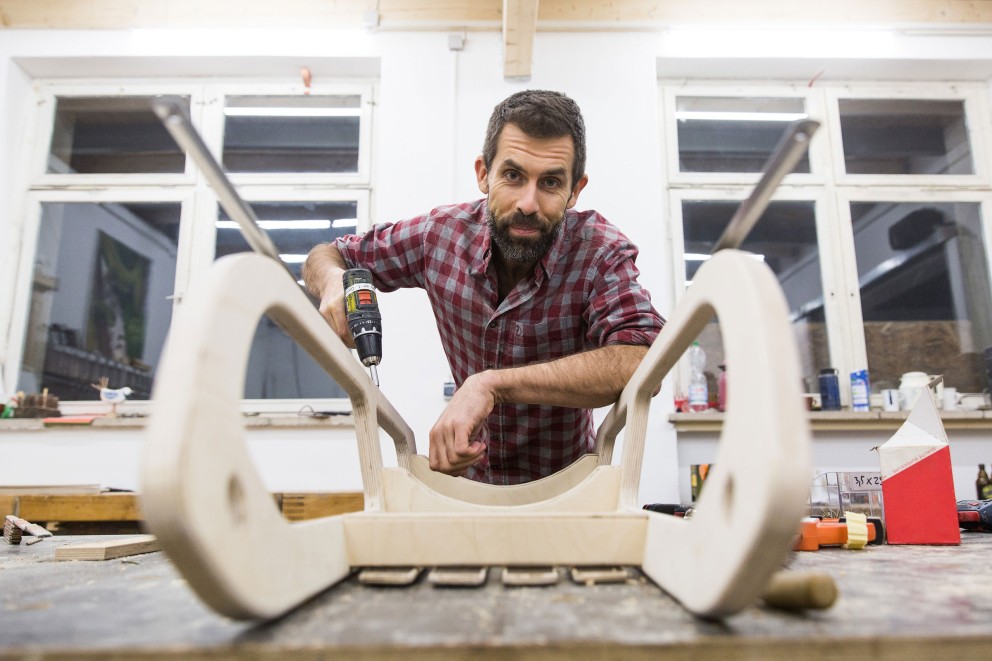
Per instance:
(539,114)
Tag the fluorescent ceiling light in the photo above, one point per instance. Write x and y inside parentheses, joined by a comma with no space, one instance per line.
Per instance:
(235,111)
(292,259)
(279,224)
(345,222)
(777,41)
(702,257)
(701,115)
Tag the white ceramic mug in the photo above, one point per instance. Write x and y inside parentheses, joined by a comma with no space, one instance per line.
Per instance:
(890,399)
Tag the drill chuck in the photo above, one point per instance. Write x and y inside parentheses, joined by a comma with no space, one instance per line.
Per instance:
(364,319)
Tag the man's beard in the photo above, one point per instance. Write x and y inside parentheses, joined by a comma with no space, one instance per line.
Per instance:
(524,251)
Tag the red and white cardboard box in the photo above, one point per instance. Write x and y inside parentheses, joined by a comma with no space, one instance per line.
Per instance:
(917,483)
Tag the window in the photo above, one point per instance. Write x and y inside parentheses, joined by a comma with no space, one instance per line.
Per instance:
(103,134)
(277,367)
(733,134)
(119,226)
(878,238)
(904,136)
(923,278)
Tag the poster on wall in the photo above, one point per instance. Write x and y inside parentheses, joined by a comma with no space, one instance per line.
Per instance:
(116,323)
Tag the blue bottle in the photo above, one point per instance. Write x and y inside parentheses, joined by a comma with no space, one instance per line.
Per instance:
(829,390)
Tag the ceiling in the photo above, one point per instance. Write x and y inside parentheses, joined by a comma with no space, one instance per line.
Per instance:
(518,20)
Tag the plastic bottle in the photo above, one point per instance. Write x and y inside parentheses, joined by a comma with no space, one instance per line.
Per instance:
(699,395)
(721,389)
(829,390)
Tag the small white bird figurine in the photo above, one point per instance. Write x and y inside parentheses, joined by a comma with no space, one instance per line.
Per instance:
(111,396)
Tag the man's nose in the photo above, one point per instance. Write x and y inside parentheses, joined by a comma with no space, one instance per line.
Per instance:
(527,202)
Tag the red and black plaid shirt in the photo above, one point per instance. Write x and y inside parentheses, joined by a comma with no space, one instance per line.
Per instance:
(583,294)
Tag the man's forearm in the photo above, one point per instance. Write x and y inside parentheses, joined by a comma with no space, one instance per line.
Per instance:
(585,380)
(323,259)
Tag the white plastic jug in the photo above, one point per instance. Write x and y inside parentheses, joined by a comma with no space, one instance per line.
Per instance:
(910,386)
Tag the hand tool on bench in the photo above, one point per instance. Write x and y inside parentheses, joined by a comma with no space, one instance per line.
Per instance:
(975,515)
(854,533)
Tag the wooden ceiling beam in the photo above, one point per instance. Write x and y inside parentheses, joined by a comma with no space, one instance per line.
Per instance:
(519,26)
(480,14)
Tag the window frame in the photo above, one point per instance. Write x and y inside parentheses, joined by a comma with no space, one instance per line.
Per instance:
(829,186)
(199,206)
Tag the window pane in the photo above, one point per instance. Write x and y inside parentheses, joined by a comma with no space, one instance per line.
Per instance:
(292,133)
(891,136)
(99,135)
(728,134)
(99,306)
(278,367)
(785,239)
(925,291)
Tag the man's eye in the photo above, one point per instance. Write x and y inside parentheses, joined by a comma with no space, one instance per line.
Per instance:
(512,175)
(551,182)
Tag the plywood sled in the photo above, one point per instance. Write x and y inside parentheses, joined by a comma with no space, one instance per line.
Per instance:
(212,515)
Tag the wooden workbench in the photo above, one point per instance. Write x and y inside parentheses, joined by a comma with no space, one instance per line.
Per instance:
(896,602)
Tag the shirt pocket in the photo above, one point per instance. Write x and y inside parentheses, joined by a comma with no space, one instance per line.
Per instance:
(546,340)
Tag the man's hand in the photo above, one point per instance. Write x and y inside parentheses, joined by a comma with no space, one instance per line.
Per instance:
(452,449)
(323,272)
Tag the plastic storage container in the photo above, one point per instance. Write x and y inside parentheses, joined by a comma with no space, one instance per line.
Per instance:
(699,394)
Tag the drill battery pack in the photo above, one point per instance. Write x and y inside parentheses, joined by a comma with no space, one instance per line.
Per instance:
(975,515)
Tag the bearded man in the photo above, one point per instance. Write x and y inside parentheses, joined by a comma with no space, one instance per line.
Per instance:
(538,306)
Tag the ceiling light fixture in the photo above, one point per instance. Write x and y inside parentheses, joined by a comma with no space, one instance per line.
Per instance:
(317,224)
(262,111)
(701,115)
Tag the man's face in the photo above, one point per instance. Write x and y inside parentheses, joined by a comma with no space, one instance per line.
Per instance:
(528,190)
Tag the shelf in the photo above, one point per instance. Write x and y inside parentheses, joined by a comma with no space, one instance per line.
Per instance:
(139,422)
(712,421)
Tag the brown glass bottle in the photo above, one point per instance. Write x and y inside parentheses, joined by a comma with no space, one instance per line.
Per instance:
(983,486)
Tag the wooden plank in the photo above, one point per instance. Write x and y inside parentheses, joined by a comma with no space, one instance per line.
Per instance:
(127,506)
(477,14)
(304,506)
(519,25)
(97,507)
(50,489)
(118,548)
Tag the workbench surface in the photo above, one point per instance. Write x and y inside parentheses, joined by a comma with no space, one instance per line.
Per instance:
(898,602)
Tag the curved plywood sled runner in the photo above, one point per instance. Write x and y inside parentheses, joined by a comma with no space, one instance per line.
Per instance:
(207,505)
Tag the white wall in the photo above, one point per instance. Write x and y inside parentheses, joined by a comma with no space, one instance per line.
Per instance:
(430,118)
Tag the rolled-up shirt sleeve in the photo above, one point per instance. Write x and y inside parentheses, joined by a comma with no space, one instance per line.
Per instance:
(619,310)
(393,252)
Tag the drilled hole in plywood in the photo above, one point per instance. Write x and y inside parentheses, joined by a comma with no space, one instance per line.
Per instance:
(236,499)
(728,498)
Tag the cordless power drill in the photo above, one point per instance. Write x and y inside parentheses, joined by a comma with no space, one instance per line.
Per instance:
(364,320)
